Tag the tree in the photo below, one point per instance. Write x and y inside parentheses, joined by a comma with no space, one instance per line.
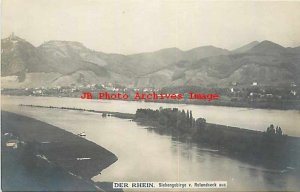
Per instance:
(278,131)
(200,123)
(163,120)
(271,130)
(191,119)
(187,115)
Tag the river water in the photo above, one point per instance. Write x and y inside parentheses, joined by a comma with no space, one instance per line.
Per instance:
(144,155)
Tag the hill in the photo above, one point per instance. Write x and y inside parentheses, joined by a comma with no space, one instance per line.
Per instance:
(65,63)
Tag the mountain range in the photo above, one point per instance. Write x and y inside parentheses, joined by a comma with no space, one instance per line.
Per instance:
(68,63)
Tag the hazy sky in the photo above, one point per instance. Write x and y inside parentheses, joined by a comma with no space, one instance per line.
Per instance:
(144,25)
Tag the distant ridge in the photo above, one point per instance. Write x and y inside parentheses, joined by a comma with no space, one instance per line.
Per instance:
(246,47)
(68,63)
(268,47)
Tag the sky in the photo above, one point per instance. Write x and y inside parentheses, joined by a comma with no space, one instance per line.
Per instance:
(134,26)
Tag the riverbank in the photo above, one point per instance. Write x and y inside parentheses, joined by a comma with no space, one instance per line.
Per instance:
(244,144)
(281,155)
(278,105)
(160,151)
(55,159)
(105,113)
(223,101)
(271,149)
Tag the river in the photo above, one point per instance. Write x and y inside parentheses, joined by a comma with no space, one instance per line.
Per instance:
(145,155)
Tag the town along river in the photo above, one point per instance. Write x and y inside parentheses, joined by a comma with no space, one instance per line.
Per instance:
(145,155)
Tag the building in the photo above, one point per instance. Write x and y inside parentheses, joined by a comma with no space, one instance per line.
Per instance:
(12,144)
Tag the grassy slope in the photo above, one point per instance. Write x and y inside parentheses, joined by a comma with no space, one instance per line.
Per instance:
(63,147)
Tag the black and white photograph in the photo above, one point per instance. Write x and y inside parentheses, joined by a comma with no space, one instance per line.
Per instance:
(160,95)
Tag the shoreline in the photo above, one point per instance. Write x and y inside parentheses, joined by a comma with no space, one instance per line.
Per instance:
(229,131)
(243,144)
(132,117)
(39,143)
(283,105)
(108,113)
(234,132)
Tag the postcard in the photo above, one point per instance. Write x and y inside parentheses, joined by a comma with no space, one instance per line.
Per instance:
(137,95)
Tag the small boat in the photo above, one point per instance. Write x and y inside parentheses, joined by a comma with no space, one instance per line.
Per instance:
(82,134)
